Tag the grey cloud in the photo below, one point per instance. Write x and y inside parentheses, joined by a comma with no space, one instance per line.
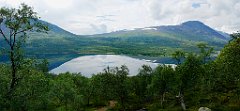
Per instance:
(106,18)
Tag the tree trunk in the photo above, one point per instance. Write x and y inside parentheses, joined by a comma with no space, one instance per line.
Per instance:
(122,103)
(183,104)
(14,70)
(181,99)
(88,101)
(162,99)
(90,95)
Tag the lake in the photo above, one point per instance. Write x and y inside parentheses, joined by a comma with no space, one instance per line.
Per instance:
(93,64)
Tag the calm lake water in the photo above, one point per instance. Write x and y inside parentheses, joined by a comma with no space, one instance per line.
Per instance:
(94,64)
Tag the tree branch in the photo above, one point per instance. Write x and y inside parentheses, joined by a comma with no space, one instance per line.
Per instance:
(24,30)
(14,39)
(10,35)
(4,36)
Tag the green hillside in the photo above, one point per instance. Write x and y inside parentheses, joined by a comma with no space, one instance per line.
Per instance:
(59,45)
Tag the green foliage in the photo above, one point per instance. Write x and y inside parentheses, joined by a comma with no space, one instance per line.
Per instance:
(17,22)
(163,82)
(228,61)
(28,91)
(141,82)
(189,74)
(154,89)
(193,83)
(178,56)
(111,85)
(28,94)
(43,66)
(228,71)
(205,51)
(235,35)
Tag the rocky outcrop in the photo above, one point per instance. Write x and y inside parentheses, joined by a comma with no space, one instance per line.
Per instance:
(204,109)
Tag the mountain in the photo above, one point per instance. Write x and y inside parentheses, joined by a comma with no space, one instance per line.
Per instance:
(60,45)
(193,28)
(56,29)
(184,36)
(57,45)
(190,30)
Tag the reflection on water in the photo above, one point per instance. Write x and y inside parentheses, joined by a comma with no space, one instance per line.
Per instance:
(94,64)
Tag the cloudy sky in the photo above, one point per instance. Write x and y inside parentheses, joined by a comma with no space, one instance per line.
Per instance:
(101,16)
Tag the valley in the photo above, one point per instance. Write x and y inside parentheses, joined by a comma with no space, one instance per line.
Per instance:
(157,42)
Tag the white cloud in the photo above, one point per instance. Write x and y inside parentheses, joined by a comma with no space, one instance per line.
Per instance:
(220,14)
(100,16)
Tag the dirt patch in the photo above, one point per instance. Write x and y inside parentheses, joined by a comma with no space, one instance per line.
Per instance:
(111,104)
(102,109)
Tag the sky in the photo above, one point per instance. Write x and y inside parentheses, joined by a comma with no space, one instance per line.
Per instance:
(86,17)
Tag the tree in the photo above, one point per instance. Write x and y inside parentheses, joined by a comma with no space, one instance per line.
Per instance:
(205,51)
(178,56)
(43,66)
(188,73)
(102,87)
(32,92)
(228,64)
(14,25)
(235,36)
(163,81)
(63,91)
(121,86)
(144,79)
(111,85)
(90,90)
(83,89)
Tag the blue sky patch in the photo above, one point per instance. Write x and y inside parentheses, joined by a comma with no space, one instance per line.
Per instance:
(196,5)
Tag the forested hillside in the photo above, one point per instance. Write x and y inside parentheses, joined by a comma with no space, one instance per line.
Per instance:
(212,84)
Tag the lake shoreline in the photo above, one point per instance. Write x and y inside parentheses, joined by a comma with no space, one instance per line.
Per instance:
(93,64)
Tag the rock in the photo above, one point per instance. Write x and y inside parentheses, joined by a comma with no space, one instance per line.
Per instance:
(204,109)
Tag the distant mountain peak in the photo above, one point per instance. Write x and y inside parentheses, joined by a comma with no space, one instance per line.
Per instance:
(193,23)
(202,29)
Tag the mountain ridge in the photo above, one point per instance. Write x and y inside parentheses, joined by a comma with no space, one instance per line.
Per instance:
(59,45)
(188,25)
